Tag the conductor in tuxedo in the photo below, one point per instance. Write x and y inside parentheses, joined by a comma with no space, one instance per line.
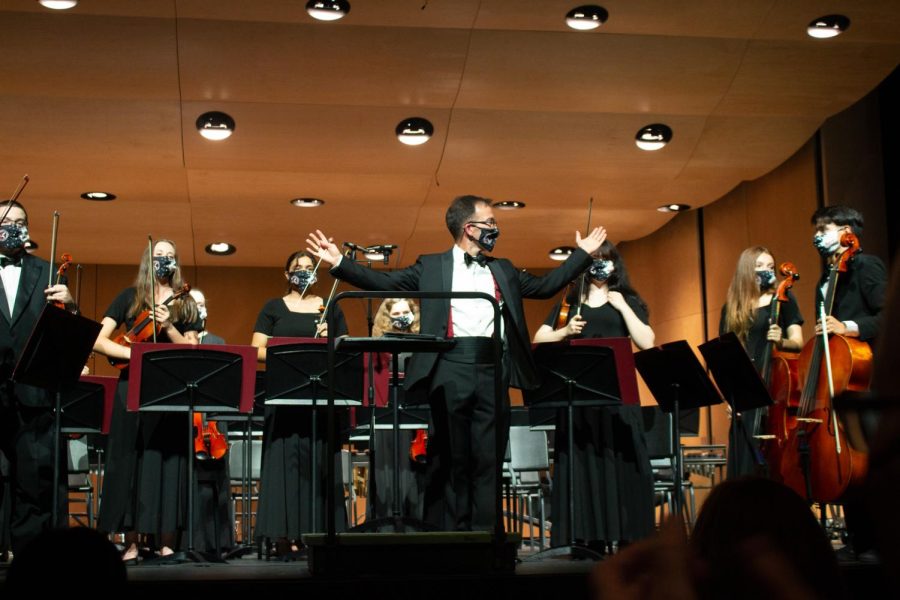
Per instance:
(26,412)
(460,383)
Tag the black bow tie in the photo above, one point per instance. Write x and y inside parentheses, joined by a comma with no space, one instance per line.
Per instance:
(479,258)
(15,261)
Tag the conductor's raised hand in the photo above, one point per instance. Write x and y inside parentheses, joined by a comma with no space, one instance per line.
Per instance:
(592,242)
(321,246)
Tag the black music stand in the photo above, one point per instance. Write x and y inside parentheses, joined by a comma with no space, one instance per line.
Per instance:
(738,380)
(677,380)
(191,378)
(395,345)
(57,349)
(581,373)
(297,375)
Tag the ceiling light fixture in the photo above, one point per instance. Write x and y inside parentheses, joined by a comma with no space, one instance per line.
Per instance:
(327,10)
(98,196)
(31,246)
(585,18)
(58,4)
(220,249)
(215,126)
(828,26)
(509,205)
(653,137)
(414,131)
(561,253)
(307,202)
(667,208)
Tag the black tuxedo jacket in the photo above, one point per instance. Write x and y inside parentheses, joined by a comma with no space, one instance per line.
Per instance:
(434,273)
(860,294)
(15,328)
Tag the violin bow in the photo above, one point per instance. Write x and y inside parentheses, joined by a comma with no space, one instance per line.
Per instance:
(583,275)
(53,234)
(152,274)
(15,196)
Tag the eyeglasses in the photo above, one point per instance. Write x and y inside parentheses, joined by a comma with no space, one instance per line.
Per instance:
(489,223)
(19,222)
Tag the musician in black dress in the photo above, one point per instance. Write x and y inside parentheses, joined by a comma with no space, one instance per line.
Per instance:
(748,314)
(397,316)
(144,488)
(613,480)
(285,512)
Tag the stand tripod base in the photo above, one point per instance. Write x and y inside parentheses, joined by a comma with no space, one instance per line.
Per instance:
(569,551)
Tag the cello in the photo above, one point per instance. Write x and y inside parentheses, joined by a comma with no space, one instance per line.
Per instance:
(780,372)
(818,463)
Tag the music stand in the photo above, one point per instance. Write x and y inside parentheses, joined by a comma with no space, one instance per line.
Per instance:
(585,373)
(737,379)
(191,378)
(395,345)
(87,405)
(57,349)
(297,375)
(677,380)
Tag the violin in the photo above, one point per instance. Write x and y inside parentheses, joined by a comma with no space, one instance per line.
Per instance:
(779,371)
(145,327)
(209,442)
(818,463)
(64,261)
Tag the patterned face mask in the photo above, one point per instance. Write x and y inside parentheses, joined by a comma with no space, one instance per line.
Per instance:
(601,269)
(13,236)
(163,266)
(827,243)
(302,278)
(403,322)
(765,279)
(487,239)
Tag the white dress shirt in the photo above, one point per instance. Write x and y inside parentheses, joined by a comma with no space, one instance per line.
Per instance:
(472,317)
(10,275)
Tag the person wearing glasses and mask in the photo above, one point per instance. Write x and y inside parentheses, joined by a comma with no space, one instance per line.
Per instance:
(286,478)
(613,479)
(459,383)
(26,412)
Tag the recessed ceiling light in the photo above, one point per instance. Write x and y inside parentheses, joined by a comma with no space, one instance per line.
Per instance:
(828,26)
(220,249)
(673,208)
(585,18)
(98,196)
(414,131)
(215,125)
(327,10)
(653,137)
(561,253)
(307,202)
(509,205)
(58,4)
(31,246)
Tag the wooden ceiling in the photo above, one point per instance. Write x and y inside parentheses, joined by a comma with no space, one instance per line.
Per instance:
(104,97)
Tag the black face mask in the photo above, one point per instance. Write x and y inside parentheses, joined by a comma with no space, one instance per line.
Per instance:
(163,266)
(403,322)
(487,238)
(765,279)
(601,270)
(302,278)
(13,236)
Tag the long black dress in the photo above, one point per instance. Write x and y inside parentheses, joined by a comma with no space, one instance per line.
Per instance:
(613,477)
(285,486)
(746,458)
(146,466)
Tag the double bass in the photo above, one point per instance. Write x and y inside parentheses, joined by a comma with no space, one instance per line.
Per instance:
(818,462)
(780,372)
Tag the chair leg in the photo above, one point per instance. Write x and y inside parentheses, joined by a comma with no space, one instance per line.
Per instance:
(543,521)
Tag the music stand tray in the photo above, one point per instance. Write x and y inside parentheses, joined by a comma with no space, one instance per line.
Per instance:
(591,372)
(191,378)
(677,380)
(57,349)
